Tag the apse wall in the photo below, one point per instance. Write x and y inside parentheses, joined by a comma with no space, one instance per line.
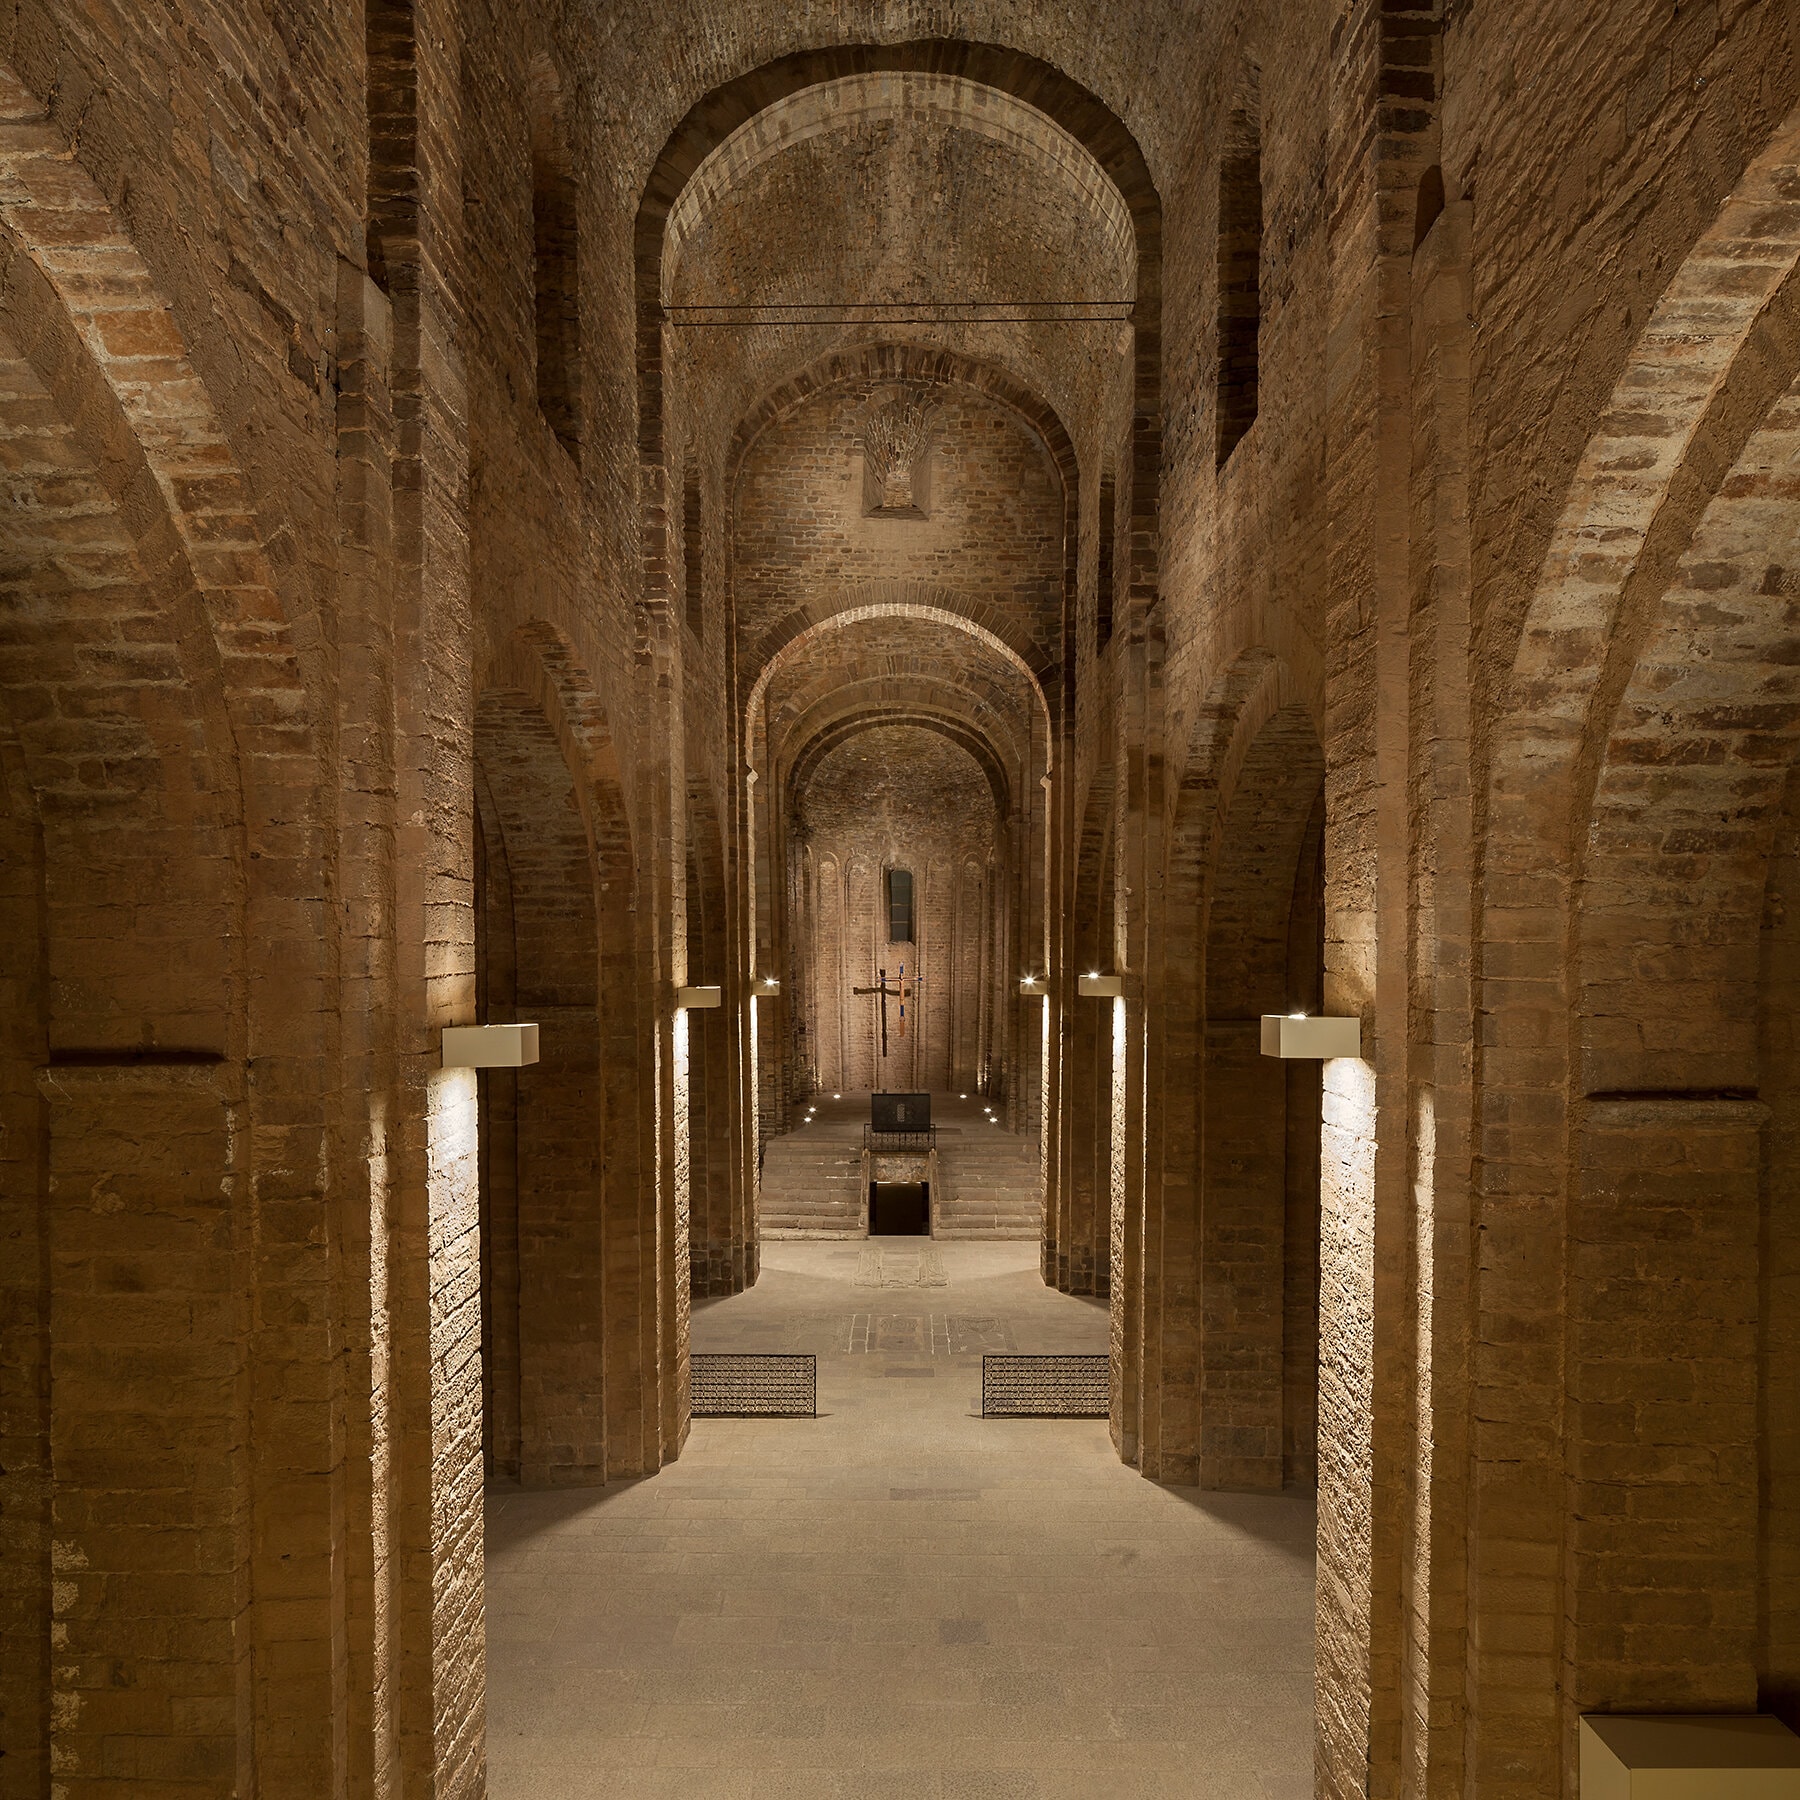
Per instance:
(896,797)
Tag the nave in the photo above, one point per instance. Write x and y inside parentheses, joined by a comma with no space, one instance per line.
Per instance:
(579,581)
(899,1598)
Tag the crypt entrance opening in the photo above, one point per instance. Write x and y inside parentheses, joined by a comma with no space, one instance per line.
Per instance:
(899,1209)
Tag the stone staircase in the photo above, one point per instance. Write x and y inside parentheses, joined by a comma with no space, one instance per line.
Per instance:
(811,1186)
(991,1185)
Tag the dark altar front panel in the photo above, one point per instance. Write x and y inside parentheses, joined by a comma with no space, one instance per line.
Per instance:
(900,1112)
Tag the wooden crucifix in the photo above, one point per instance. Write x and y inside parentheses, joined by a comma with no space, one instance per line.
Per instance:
(896,992)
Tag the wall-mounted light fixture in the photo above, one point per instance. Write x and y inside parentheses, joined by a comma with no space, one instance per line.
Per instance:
(490,1046)
(769,984)
(694,999)
(1687,1756)
(1100,987)
(1297,1035)
(1034,985)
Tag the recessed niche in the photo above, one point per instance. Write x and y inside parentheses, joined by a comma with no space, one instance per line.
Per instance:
(897,436)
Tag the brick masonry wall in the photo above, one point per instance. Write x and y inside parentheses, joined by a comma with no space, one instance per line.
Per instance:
(26,1486)
(274,522)
(993,531)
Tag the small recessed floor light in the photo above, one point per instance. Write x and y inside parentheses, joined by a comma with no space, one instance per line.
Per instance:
(837,1096)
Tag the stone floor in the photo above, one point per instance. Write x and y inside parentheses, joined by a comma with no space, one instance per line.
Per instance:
(899,1598)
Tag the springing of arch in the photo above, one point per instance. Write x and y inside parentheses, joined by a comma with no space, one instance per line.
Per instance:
(1077,112)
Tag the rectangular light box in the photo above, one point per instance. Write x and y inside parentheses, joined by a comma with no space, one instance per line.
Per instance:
(1688,1756)
(490,1046)
(1286,1036)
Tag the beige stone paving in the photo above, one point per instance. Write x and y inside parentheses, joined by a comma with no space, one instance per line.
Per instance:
(899,1598)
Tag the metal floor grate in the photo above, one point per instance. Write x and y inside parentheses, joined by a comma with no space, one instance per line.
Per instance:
(1046,1387)
(763,1386)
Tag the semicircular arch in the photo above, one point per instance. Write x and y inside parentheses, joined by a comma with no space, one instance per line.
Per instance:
(889,599)
(714,118)
(844,730)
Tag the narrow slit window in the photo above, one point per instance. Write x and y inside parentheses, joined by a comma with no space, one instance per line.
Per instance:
(1240,285)
(1106,577)
(393,105)
(900,906)
(556,257)
(693,550)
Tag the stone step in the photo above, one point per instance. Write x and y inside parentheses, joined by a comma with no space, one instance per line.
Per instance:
(988,1187)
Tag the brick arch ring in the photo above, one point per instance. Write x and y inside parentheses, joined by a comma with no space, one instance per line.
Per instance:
(909,362)
(1082,115)
(1664,509)
(885,697)
(115,357)
(946,725)
(539,663)
(885,600)
(982,690)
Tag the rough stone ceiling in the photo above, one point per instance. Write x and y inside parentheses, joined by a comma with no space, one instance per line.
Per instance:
(914,97)
(922,189)
(652,64)
(894,772)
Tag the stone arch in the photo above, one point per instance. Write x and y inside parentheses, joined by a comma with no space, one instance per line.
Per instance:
(830,796)
(990,733)
(1079,113)
(848,100)
(1668,1237)
(924,364)
(539,715)
(908,362)
(1648,719)
(828,736)
(895,599)
(169,737)
(1256,688)
(1717,352)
